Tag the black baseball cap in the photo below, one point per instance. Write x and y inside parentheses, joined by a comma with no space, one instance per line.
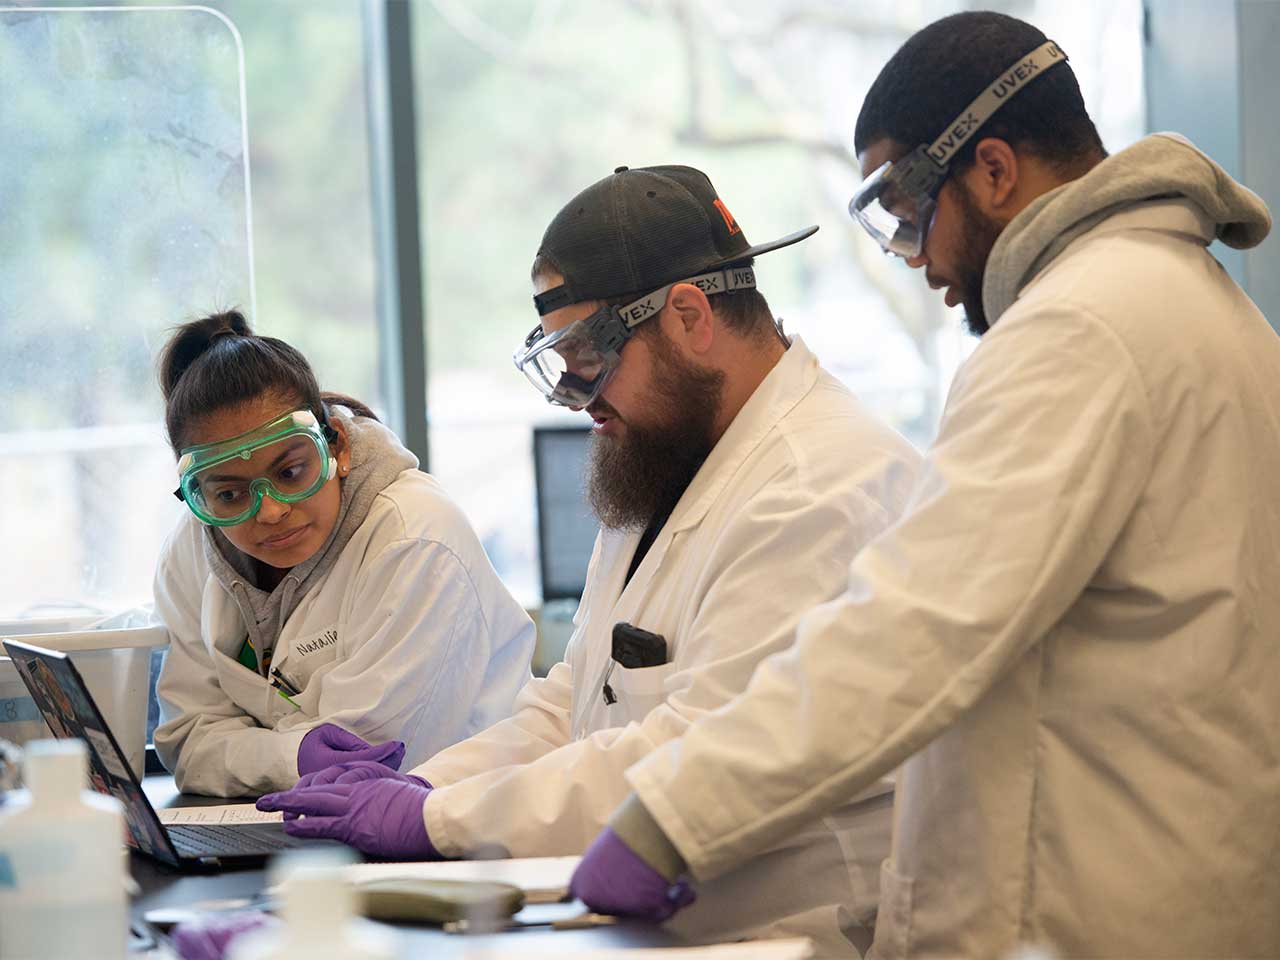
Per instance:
(639,230)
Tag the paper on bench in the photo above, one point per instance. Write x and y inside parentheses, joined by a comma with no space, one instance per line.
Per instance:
(543,879)
(790,949)
(229,814)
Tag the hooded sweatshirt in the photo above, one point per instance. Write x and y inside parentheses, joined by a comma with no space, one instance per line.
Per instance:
(377,458)
(1159,167)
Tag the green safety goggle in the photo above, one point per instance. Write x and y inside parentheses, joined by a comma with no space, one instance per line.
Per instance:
(287,459)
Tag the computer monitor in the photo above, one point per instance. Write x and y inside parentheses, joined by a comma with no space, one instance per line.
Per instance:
(566,526)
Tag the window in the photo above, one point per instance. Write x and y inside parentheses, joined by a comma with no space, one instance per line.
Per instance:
(126,209)
(523,104)
(161,162)
(131,205)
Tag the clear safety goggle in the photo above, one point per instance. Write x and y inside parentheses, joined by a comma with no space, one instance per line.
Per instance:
(896,203)
(570,366)
(287,459)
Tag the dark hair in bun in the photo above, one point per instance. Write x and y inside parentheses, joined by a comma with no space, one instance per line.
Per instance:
(218,362)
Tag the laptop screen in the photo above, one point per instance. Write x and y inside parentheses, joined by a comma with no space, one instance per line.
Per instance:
(68,708)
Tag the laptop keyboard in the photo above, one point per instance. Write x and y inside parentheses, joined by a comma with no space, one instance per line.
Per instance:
(212,840)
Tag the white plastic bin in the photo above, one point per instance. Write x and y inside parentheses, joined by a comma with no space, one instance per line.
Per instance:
(116,666)
(19,719)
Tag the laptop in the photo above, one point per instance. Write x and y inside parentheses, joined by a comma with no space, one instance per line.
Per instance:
(71,713)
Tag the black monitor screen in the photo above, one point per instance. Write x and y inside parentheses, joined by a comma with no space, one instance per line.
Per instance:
(566,526)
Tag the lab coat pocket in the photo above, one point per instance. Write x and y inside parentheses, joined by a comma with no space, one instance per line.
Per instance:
(246,689)
(639,690)
(893,921)
(302,657)
(298,665)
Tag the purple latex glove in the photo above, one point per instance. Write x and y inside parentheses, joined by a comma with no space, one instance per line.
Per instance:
(209,937)
(381,817)
(354,771)
(328,744)
(613,879)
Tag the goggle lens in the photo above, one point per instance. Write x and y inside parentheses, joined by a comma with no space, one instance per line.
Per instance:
(290,468)
(226,484)
(566,367)
(896,219)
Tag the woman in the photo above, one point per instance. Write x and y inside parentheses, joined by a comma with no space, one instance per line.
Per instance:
(321,593)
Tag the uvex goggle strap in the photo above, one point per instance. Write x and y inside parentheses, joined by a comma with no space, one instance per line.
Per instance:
(570,366)
(287,458)
(895,204)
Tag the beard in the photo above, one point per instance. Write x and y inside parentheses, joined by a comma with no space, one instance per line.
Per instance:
(980,233)
(641,475)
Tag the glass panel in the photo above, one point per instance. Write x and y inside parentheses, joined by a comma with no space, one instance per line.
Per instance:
(312,211)
(125,210)
(525,102)
(122,142)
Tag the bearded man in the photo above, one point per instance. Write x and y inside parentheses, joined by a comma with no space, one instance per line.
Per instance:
(735,480)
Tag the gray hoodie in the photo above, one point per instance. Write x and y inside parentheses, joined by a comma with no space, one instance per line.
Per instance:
(377,458)
(1161,166)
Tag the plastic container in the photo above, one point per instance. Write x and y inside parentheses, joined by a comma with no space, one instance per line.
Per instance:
(320,921)
(61,862)
(116,666)
(20,721)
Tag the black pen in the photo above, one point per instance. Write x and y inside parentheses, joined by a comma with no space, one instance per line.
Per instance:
(284,684)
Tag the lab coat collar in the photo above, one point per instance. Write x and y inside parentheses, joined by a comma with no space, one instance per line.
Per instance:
(377,460)
(1171,215)
(784,386)
(1156,168)
(1175,215)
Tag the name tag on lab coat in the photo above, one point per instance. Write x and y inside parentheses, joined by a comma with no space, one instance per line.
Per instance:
(320,642)
(306,654)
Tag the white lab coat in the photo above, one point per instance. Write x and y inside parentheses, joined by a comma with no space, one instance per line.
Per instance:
(1074,630)
(803,477)
(409,636)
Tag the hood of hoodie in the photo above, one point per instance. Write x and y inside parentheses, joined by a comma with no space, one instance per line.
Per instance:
(377,458)
(1159,167)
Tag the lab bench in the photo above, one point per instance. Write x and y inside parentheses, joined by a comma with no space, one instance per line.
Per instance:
(162,886)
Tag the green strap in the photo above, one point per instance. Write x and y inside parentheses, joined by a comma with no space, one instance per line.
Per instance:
(248,656)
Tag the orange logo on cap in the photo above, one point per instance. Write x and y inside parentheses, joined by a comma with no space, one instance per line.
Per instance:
(729,222)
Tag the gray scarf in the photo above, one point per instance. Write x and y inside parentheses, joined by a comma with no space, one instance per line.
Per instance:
(1161,166)
(377,458)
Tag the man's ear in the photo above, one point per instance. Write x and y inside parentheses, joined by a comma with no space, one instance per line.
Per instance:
(689,319)
(993,178)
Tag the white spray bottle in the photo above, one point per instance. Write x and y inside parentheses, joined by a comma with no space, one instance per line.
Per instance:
(62,891)
(319,913)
